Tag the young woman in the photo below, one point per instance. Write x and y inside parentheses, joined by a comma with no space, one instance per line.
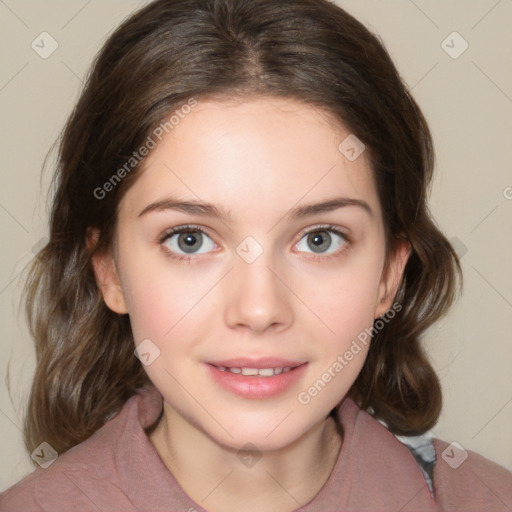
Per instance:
(240,268)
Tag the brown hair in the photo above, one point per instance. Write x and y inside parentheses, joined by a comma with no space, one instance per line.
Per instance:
(163,55)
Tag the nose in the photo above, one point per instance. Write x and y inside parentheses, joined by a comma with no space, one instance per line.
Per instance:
(257,298)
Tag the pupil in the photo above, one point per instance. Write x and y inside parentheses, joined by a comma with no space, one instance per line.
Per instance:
(320,241)
(188,242)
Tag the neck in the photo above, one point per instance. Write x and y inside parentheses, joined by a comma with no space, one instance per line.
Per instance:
(219,479)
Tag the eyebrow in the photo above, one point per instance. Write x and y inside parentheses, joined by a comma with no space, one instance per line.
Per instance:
(210,210)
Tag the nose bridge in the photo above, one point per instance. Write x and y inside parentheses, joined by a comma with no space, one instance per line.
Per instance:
(256,297)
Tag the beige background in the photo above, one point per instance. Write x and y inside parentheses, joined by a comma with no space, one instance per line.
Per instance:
(468,103)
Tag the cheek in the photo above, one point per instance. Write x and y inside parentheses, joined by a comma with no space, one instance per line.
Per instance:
(345,300)
(347,307)
(164,296)
(351,318)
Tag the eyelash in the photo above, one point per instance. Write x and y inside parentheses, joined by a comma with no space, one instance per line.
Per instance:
(315,229)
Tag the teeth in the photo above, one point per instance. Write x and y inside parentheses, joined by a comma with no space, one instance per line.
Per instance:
(249,371)
(263,372)
(266,372)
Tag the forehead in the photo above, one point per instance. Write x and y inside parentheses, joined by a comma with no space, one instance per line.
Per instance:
(258,154)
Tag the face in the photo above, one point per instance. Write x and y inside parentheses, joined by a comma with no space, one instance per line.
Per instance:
(219,256)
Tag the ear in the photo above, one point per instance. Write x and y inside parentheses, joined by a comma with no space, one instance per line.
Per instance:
(391,277)
(106,275)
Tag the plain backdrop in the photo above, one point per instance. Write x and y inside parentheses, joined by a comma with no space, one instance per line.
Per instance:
(463,83)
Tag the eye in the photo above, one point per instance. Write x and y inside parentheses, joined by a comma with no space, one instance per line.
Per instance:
(184,240)
(322,238)
(192,240)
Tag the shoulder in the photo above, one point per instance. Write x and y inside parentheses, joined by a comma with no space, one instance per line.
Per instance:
(375,459)
(20,496)
(83,478)
(61,488)
(462,480)
(465,480)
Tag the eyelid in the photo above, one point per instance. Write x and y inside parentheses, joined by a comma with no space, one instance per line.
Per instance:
(324,227)
(180,229)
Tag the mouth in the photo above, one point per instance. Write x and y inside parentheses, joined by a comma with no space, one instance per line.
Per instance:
(256,379)
(258,363)
(257,372)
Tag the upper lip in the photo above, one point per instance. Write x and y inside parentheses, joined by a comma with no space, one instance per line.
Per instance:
(259,363)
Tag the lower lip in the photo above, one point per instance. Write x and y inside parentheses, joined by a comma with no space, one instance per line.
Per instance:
(256,388)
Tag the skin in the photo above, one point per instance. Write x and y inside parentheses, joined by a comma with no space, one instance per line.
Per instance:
(256,158)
